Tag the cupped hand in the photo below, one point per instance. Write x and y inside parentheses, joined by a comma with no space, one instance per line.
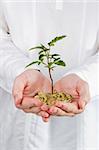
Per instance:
(78,88)
(25,87)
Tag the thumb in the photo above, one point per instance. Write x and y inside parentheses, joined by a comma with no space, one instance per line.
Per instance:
(81,104)
(83,91)
(18,98)
(17,91)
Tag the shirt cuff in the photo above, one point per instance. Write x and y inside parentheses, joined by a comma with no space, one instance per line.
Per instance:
(86,76)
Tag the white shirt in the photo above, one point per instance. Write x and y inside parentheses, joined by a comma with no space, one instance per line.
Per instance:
(38,21)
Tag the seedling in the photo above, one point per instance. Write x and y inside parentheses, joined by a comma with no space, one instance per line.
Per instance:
(50,61)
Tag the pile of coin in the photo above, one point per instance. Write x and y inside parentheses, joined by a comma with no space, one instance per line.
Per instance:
(51,99)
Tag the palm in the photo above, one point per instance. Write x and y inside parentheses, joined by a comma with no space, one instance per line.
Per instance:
(79,90)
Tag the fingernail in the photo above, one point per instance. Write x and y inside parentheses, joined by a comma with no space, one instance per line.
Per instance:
(83,105)
(18,97)
(44,108)
(18,106)
(46,115)
(51,110)
(17,102)
(45,119)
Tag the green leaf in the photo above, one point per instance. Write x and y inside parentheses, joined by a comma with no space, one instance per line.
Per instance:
(52,67)
(37,47)
(34,62)
(41,56)
(55,59)
(52,43)
(54,55)
(43,47)
(39,62)
(41,52)
(60,62)
(50,64)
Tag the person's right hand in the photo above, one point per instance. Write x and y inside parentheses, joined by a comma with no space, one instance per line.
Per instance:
(26,85)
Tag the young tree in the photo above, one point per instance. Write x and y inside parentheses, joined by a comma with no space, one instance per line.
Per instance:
(50,61)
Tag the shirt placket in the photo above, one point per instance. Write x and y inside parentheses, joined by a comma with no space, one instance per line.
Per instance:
(59,4)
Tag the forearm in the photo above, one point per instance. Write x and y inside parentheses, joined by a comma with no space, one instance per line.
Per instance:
(12,63)
(90,73)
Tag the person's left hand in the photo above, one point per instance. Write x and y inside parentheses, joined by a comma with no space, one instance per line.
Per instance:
(78,88)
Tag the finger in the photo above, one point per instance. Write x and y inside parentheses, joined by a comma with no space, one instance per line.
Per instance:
(32,110)
(59,112)
(83,100)
(81,104)
(83,90)
(61,86)
(29,102)
(44,107)
(31,92)
(43,114)
(69,107)
(45,119)
(18,89)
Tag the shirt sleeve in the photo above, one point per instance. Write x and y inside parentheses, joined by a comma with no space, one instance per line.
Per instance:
(12,59)
(89,71)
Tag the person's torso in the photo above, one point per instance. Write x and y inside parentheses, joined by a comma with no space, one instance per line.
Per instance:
(34,22)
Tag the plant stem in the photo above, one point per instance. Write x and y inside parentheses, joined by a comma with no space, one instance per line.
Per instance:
(51,80)
(49,69)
